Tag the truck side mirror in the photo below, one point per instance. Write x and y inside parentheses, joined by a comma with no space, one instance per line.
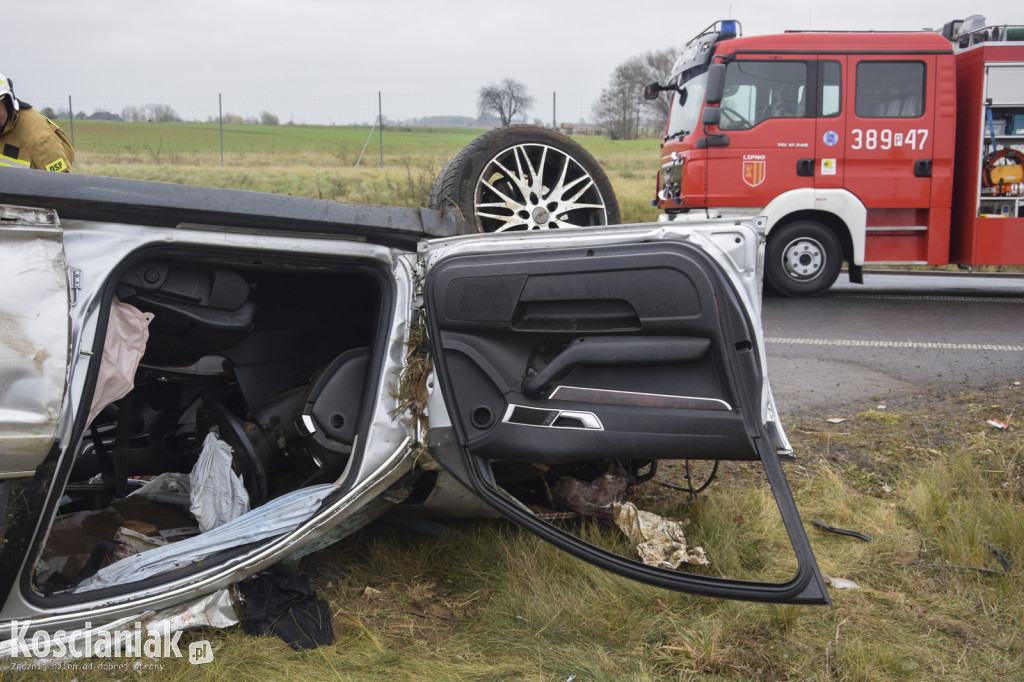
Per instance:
(652,90)
(711,116)
(716,84)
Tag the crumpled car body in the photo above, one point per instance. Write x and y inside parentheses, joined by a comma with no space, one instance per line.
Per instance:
(351,360)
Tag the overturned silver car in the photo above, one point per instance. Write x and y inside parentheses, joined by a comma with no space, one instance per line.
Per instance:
(197,384)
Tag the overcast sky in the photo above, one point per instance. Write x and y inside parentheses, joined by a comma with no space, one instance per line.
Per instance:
(134,48)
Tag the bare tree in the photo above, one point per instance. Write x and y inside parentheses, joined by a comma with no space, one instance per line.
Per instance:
(505,100)
(161,113)
(621,103)
(659,70)
(622,110)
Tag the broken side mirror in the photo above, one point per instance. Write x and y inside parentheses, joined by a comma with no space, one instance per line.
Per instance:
(716,84)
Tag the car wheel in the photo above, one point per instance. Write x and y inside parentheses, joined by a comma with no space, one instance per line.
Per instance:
(525,177)
(802,258)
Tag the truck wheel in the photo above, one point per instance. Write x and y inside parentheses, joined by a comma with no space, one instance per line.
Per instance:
(802,258)
(525,177)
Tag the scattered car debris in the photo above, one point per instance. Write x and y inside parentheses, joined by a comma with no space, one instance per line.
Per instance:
(836,420)
(274,518)
(998,423)
(141,538)
(1003,560)
(840,583)
(956,567)
(590,499)
(659,542)
(217,610)
(841,531)
(285,605)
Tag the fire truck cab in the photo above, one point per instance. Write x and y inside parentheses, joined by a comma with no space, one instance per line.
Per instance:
(881,148)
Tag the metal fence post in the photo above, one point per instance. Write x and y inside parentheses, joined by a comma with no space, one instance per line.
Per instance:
(71,121)
(380,119)
(220,117)
(554,114)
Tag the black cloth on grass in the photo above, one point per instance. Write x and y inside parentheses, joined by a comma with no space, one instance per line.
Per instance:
(284,604)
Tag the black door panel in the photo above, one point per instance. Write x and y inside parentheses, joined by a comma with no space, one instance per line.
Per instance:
(646,355)
(595,362)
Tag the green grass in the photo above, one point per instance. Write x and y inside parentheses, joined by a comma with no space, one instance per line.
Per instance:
(253,145)
(491,602)
(319,161)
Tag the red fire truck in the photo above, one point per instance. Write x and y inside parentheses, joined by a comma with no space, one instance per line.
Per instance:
(866,147)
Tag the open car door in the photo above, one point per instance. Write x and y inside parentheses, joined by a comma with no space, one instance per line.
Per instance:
(594,360)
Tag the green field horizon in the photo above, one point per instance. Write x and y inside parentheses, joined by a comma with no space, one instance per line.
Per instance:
(320,161)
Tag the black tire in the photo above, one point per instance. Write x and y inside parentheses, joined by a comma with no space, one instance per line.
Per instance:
(802,258)
(512,179)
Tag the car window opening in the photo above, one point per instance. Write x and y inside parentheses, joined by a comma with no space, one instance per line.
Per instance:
(244,416)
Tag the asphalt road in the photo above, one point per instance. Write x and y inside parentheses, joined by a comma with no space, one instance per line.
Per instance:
(894,336)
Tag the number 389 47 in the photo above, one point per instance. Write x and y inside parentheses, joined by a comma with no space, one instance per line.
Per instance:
(886,138)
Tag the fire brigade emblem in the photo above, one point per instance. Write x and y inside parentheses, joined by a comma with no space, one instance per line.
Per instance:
(753,172)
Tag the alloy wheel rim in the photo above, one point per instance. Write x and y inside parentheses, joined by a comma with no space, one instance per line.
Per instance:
(536,187)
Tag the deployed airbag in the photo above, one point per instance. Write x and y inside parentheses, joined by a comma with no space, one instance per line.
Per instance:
(123,347)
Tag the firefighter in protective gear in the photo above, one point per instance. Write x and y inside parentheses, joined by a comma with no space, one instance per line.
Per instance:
(27,138)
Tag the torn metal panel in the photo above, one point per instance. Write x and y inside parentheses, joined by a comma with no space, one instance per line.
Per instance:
(217,610)
(659,542)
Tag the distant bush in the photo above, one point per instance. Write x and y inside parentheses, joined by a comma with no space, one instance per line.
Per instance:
(150,113)
(104,115)
(269,119)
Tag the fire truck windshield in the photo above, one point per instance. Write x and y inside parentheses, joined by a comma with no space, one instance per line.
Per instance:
(683,118)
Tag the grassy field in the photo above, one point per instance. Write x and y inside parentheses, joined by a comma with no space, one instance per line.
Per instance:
(935,488)
(320,161)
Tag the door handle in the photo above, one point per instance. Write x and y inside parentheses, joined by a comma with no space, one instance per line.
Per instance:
(610,351)
(923,168)
(805,168)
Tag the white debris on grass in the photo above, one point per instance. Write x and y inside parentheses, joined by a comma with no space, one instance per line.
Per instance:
(659,542)
(840,583)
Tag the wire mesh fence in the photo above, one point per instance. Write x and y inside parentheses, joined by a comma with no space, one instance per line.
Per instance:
(355,109)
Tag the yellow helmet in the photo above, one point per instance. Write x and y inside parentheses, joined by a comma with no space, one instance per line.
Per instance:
(7,90)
